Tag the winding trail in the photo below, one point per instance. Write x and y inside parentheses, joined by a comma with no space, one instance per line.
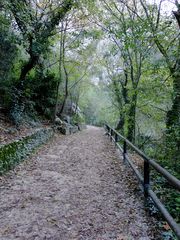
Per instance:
(74,188)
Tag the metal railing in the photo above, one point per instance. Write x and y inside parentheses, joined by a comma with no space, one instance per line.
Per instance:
(145,179)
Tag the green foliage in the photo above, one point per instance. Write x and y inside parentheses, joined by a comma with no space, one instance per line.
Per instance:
(172,149)
(77,119)
(122,63)
(96,106)
(167,194)
(13,153)
(35,27)
(41,92)
(8,55)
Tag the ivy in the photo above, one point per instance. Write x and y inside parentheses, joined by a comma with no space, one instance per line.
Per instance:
(15,152)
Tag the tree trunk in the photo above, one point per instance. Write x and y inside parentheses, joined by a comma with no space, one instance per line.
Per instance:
(120,125)
(124,93)
(173,120)
(56,104)
(28,66)
(18,101)
(132,119)
(63,36)
(173,115)
(60,71)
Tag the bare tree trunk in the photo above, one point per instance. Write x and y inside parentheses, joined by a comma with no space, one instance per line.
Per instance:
(65,70)
(124,92)
(132,119)
(120,125)
(56,104)
(60,73)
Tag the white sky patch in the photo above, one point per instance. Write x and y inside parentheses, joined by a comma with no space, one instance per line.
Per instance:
(95,80)
(167,5)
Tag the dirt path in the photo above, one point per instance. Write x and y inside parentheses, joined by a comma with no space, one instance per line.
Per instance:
(75,188)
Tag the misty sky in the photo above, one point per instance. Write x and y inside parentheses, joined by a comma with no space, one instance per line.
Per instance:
(167,5)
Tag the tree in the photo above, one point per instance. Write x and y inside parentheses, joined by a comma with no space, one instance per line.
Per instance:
(132,47)
(36,24)
(8,55)
(170,55)
(162,26)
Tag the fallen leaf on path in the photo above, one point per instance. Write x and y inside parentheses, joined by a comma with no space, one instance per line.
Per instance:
(166,226)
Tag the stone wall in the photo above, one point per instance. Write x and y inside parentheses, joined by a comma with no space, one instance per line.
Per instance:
(13,153)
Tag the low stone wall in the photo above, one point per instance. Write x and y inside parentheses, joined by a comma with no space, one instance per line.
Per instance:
(13,153)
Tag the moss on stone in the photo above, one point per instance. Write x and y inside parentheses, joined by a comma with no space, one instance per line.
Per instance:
(13,153)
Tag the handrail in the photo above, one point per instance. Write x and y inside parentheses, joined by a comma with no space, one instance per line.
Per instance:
(173,180)
(145,180)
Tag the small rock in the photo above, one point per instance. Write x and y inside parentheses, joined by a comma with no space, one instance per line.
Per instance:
(58,121)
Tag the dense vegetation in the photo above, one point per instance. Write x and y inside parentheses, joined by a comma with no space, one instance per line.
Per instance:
(119,61)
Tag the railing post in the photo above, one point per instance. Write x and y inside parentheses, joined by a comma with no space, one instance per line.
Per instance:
(116,138)
(111,134)
(107,129)
(124,150)
(146,177)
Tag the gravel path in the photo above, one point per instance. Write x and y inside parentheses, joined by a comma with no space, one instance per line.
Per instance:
(74,188)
